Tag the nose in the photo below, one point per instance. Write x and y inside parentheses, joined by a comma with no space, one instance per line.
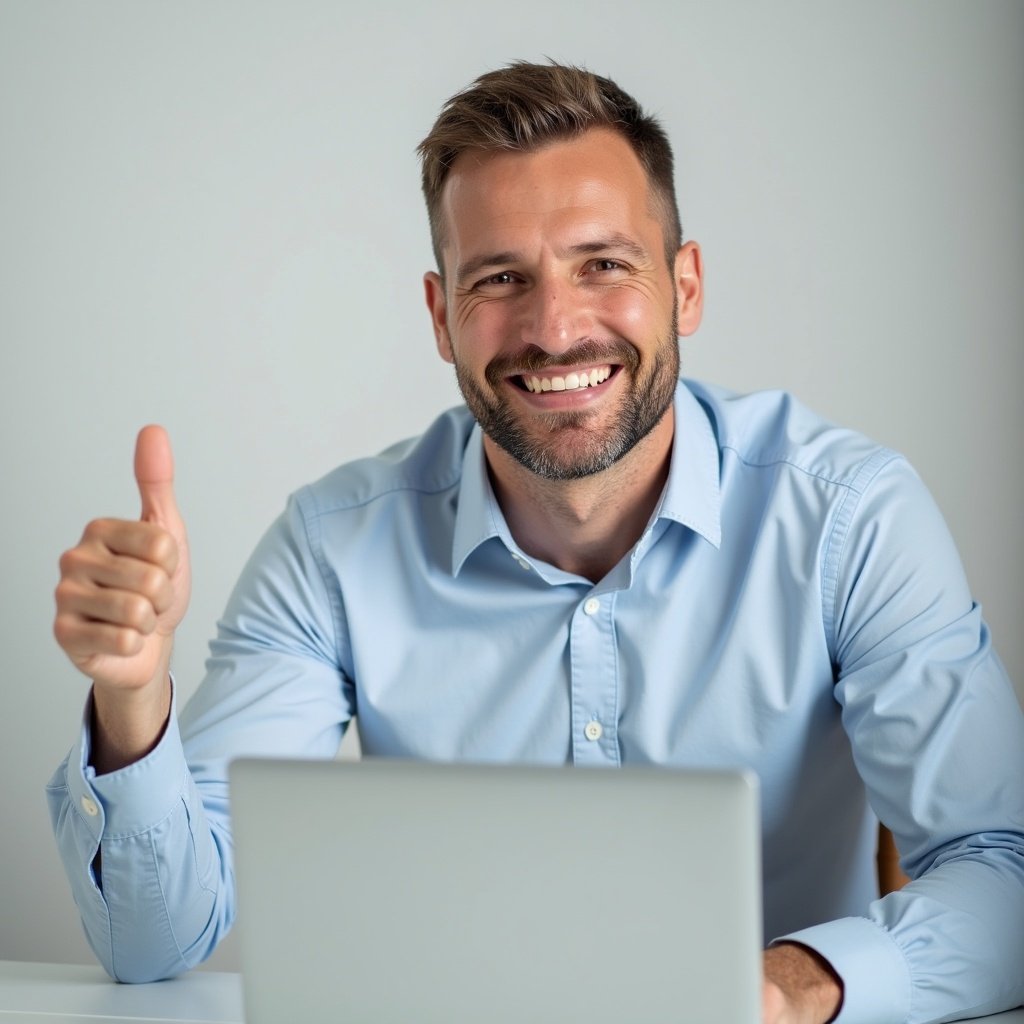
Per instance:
(554,314)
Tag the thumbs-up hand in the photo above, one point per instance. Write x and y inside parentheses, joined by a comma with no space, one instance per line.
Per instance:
(125,586)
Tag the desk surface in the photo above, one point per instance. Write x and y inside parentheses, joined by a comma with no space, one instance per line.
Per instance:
(76,994)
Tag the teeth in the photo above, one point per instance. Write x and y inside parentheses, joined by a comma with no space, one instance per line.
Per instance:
(570,382)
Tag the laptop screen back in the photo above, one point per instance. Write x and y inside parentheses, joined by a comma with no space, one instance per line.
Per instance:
(402,891)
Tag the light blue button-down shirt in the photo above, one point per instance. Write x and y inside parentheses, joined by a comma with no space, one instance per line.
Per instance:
(795,607)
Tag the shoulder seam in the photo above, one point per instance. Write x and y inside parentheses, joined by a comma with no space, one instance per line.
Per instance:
(316,550)
(838,533)
(852,481)
(357,503)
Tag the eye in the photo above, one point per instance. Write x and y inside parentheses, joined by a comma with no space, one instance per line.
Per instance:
(605,266)
(503,277)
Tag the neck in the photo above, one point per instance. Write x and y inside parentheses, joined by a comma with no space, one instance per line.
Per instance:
(583,526)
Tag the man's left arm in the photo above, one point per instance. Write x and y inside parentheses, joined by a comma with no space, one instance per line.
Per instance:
(938,737)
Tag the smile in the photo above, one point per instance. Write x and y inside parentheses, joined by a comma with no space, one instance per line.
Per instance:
(574,381)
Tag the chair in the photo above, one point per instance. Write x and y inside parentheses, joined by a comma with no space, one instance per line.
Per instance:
(887,862)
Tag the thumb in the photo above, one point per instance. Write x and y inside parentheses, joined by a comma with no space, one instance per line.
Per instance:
(154,473)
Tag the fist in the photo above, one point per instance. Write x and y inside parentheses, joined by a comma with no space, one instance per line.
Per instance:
(125,586)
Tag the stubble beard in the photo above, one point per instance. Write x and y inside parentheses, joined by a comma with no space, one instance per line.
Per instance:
(567,445)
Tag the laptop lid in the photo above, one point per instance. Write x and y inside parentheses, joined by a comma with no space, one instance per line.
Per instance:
(409,892)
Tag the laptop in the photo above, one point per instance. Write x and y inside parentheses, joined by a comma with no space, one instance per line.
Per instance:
(401,891)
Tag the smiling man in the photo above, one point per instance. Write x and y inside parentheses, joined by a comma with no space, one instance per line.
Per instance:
(613,566)
(560,309)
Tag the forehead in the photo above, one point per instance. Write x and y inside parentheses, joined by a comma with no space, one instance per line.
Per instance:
(592,183)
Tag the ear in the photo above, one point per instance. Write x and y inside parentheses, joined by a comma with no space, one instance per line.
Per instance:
(689,282)
(433,288)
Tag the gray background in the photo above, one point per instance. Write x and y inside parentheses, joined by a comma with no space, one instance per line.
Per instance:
(210,218)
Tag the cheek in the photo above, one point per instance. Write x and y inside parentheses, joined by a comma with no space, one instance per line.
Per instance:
(630,312)
(476,317)
(482,330)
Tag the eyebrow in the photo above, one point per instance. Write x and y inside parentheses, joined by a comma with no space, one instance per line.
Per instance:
(616,243)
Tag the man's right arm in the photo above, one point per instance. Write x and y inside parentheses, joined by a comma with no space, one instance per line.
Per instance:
(124,589)
(153,800)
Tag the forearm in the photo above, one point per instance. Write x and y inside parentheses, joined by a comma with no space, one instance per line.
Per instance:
(800,987)
(127,724)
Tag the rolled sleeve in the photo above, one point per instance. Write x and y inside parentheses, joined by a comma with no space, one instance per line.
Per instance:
(135,798)
(876,977)
(128,814)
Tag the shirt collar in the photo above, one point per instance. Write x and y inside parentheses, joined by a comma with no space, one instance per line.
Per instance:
(477,517)
(691,496)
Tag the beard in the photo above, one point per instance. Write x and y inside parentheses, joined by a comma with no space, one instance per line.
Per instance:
(572,445)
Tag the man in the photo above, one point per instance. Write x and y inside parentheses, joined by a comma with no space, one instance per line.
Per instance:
(593,562)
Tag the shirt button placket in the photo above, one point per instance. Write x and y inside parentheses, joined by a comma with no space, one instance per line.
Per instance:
(594,683)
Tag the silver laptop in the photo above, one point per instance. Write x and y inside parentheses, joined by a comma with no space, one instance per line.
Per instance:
(396,891)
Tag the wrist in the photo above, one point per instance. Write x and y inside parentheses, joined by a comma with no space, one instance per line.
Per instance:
(125,725)
(806,980)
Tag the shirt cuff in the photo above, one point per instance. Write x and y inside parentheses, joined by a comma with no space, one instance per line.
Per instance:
(132,799)
(874,972)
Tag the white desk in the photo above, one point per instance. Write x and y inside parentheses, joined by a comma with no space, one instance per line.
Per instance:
(74,994)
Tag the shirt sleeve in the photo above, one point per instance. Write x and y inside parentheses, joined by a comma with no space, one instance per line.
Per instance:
(938,737)
(161,895)
(133,859)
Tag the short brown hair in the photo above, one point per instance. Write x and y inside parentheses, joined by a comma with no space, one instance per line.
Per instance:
(524,106)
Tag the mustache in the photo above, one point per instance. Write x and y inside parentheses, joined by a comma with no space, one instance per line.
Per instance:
(532,359)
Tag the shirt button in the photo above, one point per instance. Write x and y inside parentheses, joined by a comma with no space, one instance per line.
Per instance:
(89,806)
(593,730)
(591,605)
(523,563)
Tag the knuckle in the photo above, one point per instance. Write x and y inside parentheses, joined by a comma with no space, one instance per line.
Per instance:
(136,611)
(68,633)
(126,642)
(95,529)
(164,548)
(70,561)
(62,630)
(62,593)
(151,580)
(163,599)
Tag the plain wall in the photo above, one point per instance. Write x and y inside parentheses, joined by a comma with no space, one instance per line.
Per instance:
(210,218)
